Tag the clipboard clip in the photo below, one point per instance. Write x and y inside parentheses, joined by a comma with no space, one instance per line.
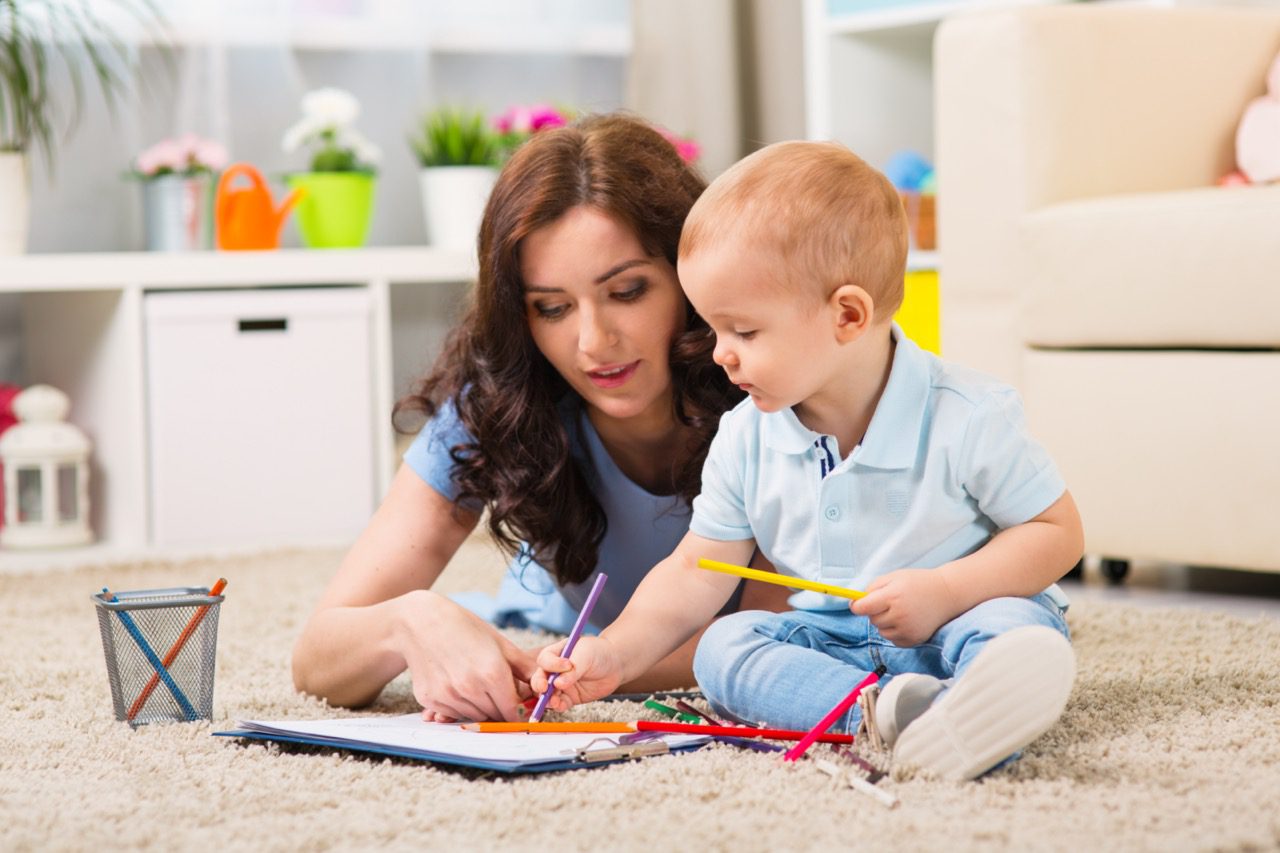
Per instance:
(615,751)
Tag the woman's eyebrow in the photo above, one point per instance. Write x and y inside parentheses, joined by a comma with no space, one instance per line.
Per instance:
(620,268)
(601,279)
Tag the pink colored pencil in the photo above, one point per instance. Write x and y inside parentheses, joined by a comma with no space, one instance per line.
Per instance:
(846,703)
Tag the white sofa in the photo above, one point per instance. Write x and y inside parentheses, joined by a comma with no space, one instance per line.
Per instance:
(1089,258)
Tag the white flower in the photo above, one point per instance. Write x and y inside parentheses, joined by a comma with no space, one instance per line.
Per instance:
(331,107)
(365,151)
(301,133)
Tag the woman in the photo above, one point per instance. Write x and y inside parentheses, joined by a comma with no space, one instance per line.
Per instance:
(575,402)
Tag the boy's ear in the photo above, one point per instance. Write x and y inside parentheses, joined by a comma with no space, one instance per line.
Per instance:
(854,311)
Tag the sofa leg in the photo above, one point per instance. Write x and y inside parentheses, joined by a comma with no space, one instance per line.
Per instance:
(1114,570)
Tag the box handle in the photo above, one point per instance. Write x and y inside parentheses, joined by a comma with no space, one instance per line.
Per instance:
(277,324)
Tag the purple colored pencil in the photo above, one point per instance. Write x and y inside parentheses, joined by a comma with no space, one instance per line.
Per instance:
(541,707)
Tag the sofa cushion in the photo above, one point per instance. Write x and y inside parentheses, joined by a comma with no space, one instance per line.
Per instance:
(1193,268)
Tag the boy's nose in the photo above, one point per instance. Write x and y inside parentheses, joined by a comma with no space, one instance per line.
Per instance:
(722,354)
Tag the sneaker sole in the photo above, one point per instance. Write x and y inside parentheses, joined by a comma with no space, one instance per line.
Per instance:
(1011,694)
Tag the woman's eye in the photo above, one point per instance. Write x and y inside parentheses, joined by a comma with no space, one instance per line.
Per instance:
(550,312)
(632,293)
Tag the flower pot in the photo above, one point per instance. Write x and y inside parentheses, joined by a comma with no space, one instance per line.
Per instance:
(335,208)
(15,203)
(453,200)
(178,211)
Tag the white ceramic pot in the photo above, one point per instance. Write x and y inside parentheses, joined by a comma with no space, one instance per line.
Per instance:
(15,203)
(453,200)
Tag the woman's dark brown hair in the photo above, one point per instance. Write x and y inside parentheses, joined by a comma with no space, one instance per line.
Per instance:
(520,466)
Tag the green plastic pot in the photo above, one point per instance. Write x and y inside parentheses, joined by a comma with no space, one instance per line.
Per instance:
(335,209)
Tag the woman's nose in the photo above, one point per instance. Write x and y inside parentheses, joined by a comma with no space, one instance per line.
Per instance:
(595,333)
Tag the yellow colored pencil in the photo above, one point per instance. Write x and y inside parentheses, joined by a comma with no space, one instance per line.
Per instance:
(780,580)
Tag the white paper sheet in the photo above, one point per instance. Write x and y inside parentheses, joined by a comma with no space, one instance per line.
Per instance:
(410,734)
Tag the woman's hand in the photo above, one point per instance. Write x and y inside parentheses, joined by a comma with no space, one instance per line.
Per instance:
(592,672)
(461,667)
(907,606)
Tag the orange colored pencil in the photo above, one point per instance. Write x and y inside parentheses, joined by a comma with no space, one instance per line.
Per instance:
(585,728)
(172,654)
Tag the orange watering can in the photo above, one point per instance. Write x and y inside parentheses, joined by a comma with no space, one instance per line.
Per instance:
(246,216)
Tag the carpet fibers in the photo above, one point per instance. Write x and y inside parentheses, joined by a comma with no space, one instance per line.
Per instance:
(1171,741)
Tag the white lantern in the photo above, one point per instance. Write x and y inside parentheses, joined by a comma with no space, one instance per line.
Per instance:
(46,474)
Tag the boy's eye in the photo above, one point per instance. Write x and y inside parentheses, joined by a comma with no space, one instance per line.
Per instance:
(746,336)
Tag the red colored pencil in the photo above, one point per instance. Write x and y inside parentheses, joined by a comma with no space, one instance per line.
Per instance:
(735,731)
(172,654)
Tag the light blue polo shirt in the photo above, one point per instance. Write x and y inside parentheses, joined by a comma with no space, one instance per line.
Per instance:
(946,462)
(643,528)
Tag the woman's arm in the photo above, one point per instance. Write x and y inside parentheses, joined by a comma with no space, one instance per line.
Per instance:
(378,616)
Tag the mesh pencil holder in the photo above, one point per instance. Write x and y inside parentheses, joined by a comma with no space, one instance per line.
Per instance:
(160,646)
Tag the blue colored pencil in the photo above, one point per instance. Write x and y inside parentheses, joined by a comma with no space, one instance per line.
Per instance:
(541,707)
(161,669)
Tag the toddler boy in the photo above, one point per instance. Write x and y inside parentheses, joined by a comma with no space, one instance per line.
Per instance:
(859,460)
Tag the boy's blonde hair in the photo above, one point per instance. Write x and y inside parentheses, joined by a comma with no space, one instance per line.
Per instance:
(827,216)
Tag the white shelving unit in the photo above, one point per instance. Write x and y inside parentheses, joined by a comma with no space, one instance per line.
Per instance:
(869,76)
(84,332)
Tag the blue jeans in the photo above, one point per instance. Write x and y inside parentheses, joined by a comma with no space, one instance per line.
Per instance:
(788,670)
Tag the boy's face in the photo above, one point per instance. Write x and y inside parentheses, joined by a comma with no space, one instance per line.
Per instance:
(772,338)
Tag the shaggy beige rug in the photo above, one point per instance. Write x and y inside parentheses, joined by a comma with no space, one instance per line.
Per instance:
(1171,741)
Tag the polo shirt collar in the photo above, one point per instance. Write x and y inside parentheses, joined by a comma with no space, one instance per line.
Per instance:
(893,437)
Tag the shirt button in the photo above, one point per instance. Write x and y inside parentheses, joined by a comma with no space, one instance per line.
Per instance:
(833,512)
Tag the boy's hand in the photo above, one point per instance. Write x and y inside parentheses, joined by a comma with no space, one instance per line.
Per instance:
(907,606)
(593,671)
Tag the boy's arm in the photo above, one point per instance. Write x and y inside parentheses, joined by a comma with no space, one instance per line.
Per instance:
(909,605)
(674,601)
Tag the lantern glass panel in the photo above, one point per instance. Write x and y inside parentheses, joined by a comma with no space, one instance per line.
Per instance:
(67,493)
(30,496)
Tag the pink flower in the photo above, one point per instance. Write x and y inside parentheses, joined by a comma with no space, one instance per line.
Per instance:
(185,155)
(688,150)
(167,154)
(210,154)
(542,117)
(526,120)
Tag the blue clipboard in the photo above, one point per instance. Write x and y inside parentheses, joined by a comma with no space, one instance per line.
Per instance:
(600,750)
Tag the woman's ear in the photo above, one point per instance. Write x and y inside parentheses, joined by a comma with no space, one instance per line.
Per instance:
(854,312)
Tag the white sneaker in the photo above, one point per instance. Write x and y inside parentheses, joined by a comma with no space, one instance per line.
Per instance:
(908,696)
(1012,693)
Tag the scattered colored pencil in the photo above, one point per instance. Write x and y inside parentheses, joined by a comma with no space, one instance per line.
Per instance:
(172,654)
(541,708)
(845,704)
(653,726)
(780,580)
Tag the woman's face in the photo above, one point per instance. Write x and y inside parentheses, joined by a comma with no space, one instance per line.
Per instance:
(603,312)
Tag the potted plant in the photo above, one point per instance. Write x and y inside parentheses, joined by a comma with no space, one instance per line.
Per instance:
(337,200)
(178,177)
(459,155)
(46,44)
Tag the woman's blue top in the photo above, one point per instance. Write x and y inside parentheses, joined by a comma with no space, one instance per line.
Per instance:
(643,528)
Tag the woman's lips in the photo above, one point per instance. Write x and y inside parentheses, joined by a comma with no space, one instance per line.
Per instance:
(612,377)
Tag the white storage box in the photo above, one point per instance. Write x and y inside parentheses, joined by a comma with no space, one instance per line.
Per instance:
(261,415)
